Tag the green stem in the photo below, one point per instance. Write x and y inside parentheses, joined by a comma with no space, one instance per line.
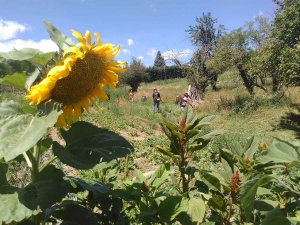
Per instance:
(182,172)
(27,160)
(48,163)
(36,160)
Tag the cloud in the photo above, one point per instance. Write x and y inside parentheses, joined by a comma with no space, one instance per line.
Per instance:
(126,51)
(173,54)
(140,58)
(9,29)
(129,42)
(45,45)
(152,52)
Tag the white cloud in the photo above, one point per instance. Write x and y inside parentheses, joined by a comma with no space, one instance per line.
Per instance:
(45,45)
(129,42)
(126,51)
(152,52)
(140,58)
(173,54)
(9,29)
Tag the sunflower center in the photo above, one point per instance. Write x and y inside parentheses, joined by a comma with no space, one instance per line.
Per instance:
(82,80)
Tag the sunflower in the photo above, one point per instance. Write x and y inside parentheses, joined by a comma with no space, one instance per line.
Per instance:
(85,70)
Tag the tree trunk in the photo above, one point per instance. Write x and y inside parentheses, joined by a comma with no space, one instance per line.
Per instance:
(275,82)
(247,82)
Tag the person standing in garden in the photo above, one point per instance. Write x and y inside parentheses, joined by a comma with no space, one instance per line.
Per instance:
(131,95)
(184,100)
(156,100)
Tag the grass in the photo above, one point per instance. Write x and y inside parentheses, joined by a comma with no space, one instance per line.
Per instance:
(240,115)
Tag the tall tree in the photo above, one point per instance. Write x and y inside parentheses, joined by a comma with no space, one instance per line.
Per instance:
(204,35)
(135,74)
(159,60)
(243,48)
(284,39)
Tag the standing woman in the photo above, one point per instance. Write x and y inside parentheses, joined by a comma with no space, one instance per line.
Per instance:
(156,100)
(131,95)
(184,101)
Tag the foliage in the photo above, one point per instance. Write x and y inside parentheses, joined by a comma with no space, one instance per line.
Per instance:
(135,74)
(204,36)
(169,72)
(159,61)
(203,178)
(184,142)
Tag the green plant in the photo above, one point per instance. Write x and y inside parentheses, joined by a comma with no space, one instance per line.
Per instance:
(185,139)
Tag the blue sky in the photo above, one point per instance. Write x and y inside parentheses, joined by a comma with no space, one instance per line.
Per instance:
(141,27)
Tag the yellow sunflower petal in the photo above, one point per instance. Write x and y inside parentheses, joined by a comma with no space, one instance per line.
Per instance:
(80,39)
(98,39)
(74,50)
(88,39)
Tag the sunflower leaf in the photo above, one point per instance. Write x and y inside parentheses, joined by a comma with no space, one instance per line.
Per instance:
(20,131)
(58,37)
(31,77)
(49,182)
(16,80)
(87,145)
(22,54)
(76,214)
(17,212)
(41,59)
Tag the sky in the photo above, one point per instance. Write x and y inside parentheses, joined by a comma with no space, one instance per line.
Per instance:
(140,27)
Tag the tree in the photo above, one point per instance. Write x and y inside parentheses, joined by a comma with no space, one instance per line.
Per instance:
(284,38)
(159,61)
(204,36)
(135,74)
(243,48)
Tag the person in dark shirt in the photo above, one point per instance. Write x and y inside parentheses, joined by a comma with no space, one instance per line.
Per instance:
(156,100)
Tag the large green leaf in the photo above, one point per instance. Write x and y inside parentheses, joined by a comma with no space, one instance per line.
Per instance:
(91,185)
(17,80)
(77,215)
(167,153)
(11,209)
(160,175)
(210,180)
(87,145)
(20,131)
(280,152)
(22,54)
(217,203)
(31,77)
(123,194)
(58,37)
(251,148)
(41,59)
(265,205)
(275,217)
(249,190)
(196,209)
(49,182)
(171,207)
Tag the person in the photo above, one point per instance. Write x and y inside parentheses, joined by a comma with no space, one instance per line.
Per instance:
(184,101)
(156,100)
(131,95)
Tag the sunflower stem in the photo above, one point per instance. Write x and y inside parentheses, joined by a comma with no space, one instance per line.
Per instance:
(48,163)
(36,159)
(27,160)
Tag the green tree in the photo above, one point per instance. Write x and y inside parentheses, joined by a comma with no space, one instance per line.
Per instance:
(284,38)
(159,60)
(135,74)
(242,48)
(204,36)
